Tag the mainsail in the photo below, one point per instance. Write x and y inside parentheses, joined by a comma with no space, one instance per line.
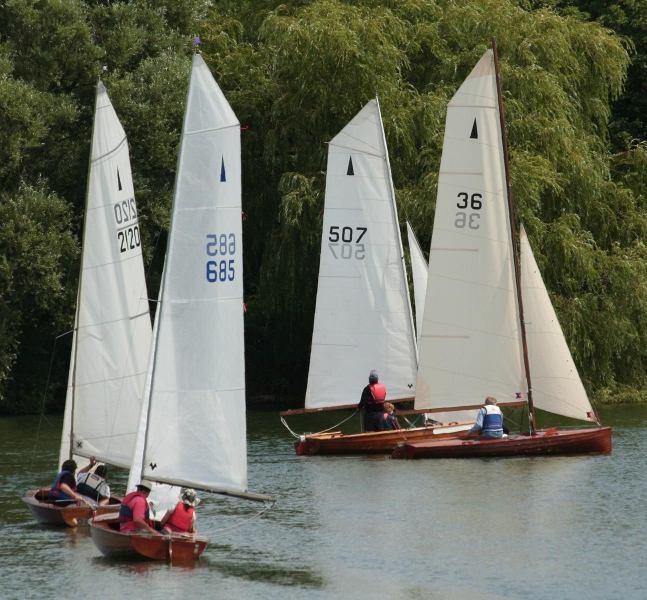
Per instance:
(419,269)
(556,384)
(363,316)
(470,346)
(194,426)
(112,326)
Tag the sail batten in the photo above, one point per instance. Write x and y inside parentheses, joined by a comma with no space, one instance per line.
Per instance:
(112,324)
(195,422)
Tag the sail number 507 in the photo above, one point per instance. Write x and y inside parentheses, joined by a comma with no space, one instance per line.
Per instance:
(345,242)
(223,248)
(468,216)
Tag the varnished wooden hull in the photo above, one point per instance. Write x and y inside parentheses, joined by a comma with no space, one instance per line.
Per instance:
(139,546)
(546,442)
(374,442)
(73,515)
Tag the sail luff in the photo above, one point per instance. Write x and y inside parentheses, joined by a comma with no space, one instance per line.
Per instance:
(514,237)
(396,225)
(419,268)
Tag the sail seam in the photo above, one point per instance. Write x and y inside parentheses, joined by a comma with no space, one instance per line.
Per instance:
(112,151)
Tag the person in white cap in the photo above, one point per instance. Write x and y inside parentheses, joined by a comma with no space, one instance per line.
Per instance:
(133,513)
(372,401)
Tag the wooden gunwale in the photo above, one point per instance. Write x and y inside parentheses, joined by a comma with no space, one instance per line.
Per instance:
(71,515)
(542,442)
(373,442)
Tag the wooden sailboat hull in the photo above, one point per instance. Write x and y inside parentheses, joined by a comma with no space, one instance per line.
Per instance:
(111,542)
(73,515)
(545,442)
(373,442)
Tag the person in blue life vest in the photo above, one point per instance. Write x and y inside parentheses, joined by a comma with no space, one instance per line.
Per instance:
(94,484)
(372,401)
(63,491)
(389,420)
(489,421)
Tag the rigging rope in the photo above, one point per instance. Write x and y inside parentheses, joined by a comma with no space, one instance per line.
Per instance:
(296,435)
(268,506)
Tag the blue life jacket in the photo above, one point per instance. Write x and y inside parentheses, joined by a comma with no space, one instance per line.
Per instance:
(56,491)
(493,419)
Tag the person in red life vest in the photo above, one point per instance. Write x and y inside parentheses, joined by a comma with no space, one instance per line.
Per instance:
(133,513)
(389,420)
(372,401)
(182,518)
(63,491)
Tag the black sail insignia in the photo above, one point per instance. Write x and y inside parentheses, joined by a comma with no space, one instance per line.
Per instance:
(475,132)
(350,170)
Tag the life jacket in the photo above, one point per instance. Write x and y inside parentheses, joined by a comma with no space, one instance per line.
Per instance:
(390,422)
(378,393)
(126,508)
(90,484)
(56,491)
(492,419)
(182,518)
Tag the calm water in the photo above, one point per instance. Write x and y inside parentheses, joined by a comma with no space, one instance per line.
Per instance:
(358,527)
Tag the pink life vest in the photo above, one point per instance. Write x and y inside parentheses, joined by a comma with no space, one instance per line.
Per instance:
(182,518)
(378,393)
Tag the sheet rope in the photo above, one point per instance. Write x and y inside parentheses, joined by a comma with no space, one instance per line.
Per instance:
(296,435)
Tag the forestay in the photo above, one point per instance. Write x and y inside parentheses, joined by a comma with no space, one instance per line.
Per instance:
(419,269)
(112,327)
(363,317)
(556,384)
(195,433)
(470,345)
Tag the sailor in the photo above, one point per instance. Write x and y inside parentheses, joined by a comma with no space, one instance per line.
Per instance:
(182,518)
(94,485)
(63,491)
(134,514)
(372,401)
(389,420)
(489,421)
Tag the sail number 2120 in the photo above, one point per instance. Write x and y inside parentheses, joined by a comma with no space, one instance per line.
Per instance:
(222,247)
(469,215)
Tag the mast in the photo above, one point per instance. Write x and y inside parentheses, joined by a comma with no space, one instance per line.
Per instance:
(514,237)
(78,295)
(396,223)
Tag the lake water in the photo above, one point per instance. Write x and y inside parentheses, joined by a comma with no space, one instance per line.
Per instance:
(361,527)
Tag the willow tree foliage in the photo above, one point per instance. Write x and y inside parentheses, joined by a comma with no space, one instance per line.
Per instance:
(295,72)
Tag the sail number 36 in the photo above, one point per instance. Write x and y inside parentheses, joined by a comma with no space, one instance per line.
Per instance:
(468,216)
(222,246)
(344,242)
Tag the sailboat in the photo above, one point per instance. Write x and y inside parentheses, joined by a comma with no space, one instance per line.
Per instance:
(193,429)
(112,330)
(363,317)
(488,321)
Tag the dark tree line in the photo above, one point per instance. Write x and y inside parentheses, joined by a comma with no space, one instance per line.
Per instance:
(295,73)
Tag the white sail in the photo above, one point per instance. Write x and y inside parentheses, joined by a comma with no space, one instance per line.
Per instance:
(112,327)
(195,432)
(362,317)
(556,384)
(419,268)
(470,346)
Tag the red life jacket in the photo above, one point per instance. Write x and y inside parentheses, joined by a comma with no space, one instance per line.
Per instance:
(126,510)
(378,393)
(182,518)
